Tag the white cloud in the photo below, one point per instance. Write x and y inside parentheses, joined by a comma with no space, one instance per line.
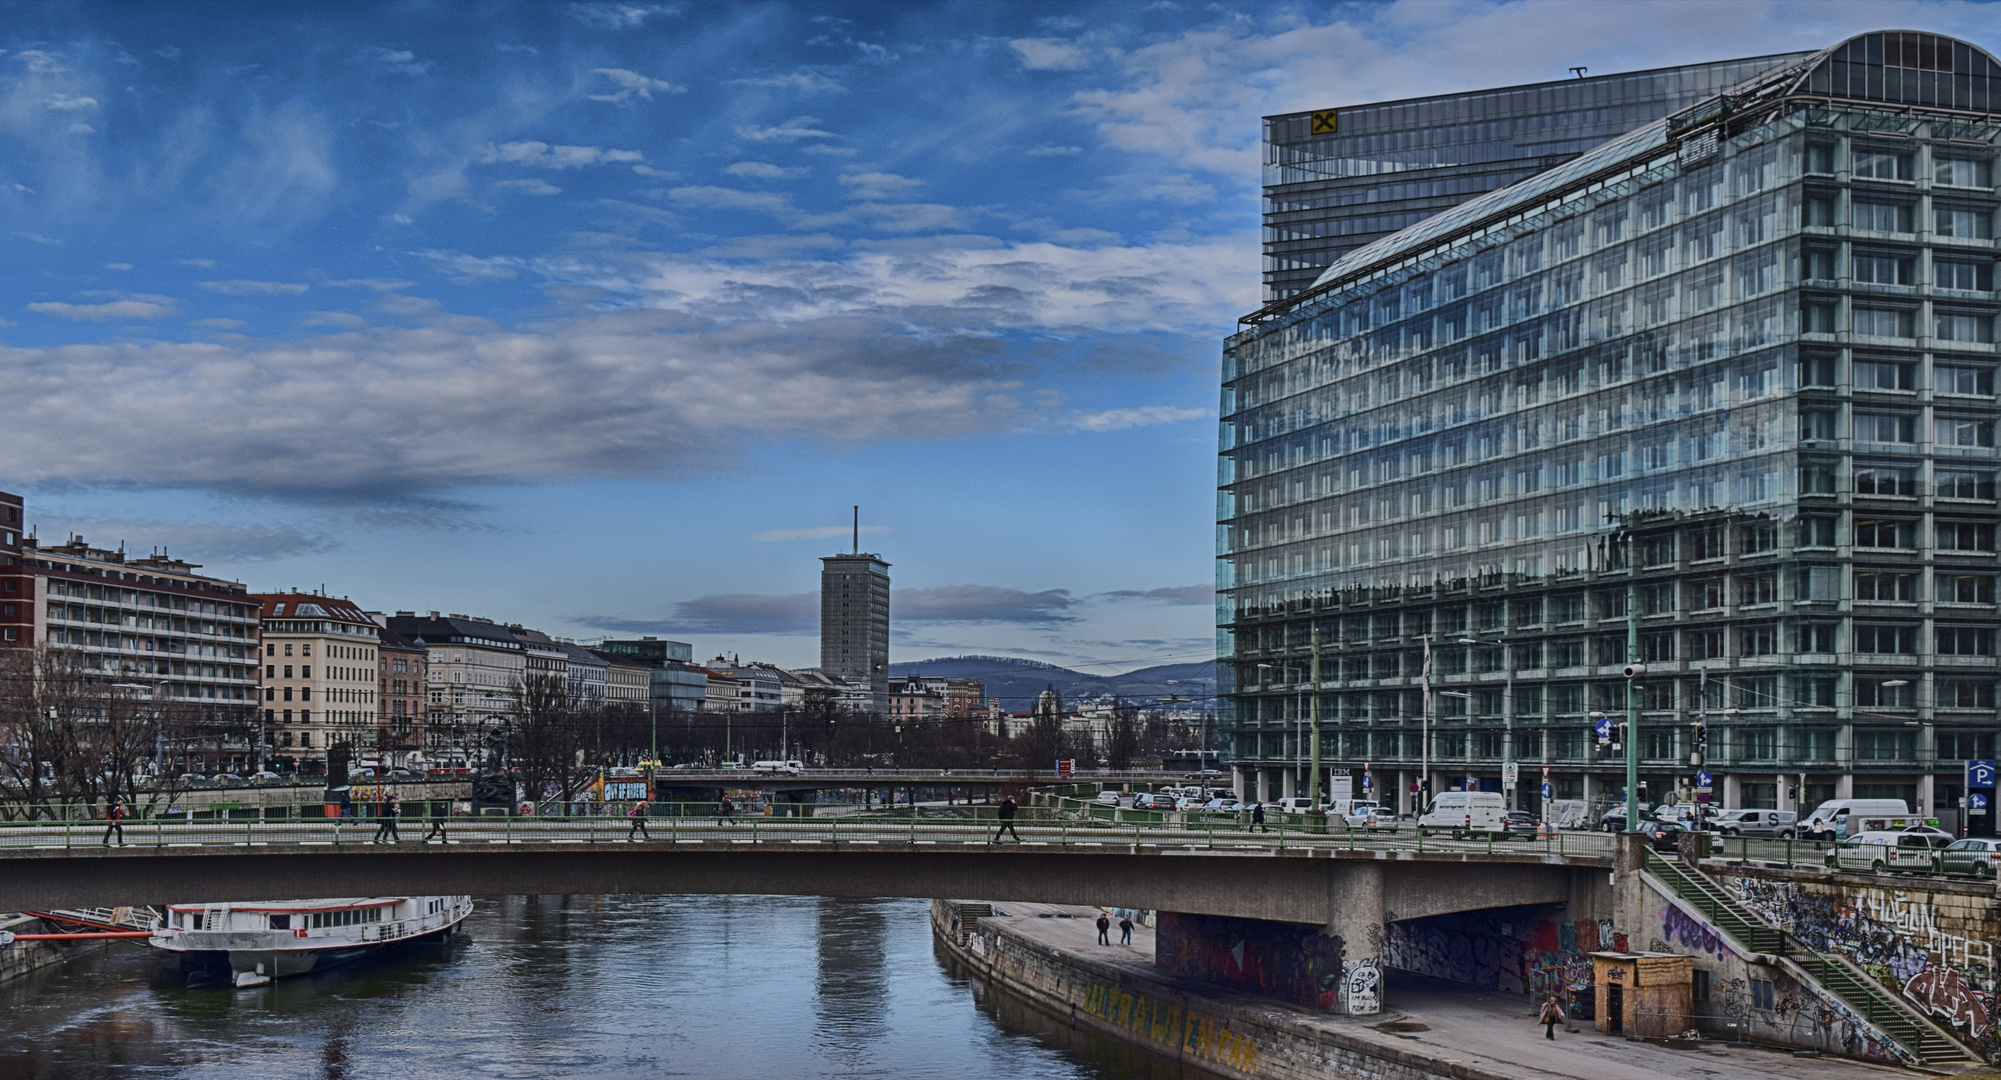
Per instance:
(621,16)
(1143,416)
(466,269)
(806,82)
(118,266)
(799,127)
(377,284)
(203,263)
(400,61)
(1051,54)
(825,150)
(877,185)
(631,84)
(541,155)
(534,185)
(761,170)
(722,198)
(1054,151)
(67,103)
(342,319)
(110,310)
(222,324)
(816,532)
(241,287)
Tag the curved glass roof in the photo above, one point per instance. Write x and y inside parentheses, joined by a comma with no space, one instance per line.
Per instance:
(1893,66)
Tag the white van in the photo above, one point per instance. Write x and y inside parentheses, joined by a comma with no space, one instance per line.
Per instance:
(1465,811)
(778,768)
(1880,851)
(1296,805)
(1837,819)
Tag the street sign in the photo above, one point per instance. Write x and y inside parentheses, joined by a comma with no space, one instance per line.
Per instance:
(1547,790)
(1510,772)
(1604,728)
(1977,803)
(1704,781)
(1980,773)
(1413,788)
(1470,783)
(1368,782)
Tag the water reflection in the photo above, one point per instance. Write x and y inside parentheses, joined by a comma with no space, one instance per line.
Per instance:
(580,987)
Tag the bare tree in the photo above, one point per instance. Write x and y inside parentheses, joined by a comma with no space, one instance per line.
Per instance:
(1122,740)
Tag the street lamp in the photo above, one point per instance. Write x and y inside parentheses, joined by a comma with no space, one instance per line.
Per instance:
(1507,709)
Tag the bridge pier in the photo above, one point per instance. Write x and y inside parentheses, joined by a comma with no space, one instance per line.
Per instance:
(1355,902)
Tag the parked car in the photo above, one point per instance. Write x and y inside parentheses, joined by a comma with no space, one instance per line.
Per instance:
(1299,804)
(1775,823)
(1975,856)
(1614,818)
(1521,821)
(1666,835)
(1880,851)
(1154,800)
(266,779)
(1222,806)
(1107,798)
(1188,802)
(1204,774)
(1839,818)
(1936,837)
(1363,815)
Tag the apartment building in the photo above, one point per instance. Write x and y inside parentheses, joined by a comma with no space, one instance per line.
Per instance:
(321,657)
(473,670)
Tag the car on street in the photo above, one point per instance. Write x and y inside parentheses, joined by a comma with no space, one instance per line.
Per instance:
(1774,823)
(1368,816)
(1937,838)
(1154,800)
(1204,774)
(1974,855)
(1222,806)
(1614,818)
(1521,821)
(266,779)
(1878,852)
(1666,835)
(1107,798)
(1188,802)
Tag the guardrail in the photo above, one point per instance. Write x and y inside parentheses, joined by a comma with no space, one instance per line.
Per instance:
(875,830)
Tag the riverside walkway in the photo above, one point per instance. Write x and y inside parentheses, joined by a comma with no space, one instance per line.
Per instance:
(1483,1033)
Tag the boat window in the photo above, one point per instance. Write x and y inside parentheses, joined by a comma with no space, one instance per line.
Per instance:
(281,922)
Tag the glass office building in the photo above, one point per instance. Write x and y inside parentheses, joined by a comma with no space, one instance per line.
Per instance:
(1336,179)
(1733,370)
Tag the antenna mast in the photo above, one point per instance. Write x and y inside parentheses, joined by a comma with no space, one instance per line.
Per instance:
(858,530)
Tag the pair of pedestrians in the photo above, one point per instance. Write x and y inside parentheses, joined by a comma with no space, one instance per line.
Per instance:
(1105,930)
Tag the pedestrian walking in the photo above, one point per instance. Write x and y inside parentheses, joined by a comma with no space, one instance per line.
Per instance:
(1007,809)
(1552,1015)
(439,812)
(725,810)
(388,812)
(1104,929)
(1125,929)
(114,822)
(637,815)
(1258,818)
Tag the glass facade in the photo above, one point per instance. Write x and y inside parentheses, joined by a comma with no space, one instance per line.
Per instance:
(1732,371)
(1336,179)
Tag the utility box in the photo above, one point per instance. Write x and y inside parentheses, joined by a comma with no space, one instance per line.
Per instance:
(1645,995)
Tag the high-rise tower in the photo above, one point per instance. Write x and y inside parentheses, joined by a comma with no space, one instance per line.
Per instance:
(854,621)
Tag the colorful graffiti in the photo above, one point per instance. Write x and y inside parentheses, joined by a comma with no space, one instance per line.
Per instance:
(1515,950)
(1166,1025)
(1288,961)
(1362,989)
(1895,936)
(1693,934)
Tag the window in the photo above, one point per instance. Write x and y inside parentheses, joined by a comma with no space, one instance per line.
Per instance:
(1816,531)
(1880,165)
(1961,745)
(1819,316)
(1966,224)
(1757,640)
(1953,431)
(1758,589)
(1887,217)
(1818,211)
(1884,375)
(1965,588)
(1763,994)
(1817,478)
(1952,326)
(1882,533)
(1884,692)
(1885,428)
(1755,539)
(1885,585)
(1818,264)
(1817,638)
(1884,480)
(1882,269)
(1886,638)
(1757,743)
(1962,172)
(1817,744)
(1964,276)
(1816,370)
(1885,322)
(1704,644)
(1884,745)
(1965,641)
(1970,381)
(1965,536)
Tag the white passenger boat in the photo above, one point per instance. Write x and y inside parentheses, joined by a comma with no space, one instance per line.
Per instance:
(251,943)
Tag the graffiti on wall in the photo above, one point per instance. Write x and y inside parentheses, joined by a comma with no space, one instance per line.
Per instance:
(1165,1025)
(1693,934)
(1362,989)
(1896,937)
(1514,950)
(1288,961)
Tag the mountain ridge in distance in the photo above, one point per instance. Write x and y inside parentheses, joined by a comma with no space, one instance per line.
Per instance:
(1017,681)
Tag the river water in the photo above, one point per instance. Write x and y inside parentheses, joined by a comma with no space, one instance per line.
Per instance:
(578,988)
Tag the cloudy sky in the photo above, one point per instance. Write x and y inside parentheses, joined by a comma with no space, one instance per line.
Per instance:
(600,316)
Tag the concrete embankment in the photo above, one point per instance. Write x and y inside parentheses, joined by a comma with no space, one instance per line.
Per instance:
(21,957)
(1230,1035)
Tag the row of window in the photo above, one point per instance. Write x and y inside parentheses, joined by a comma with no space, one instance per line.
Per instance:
(1899,217)
(1758,692)
(1972,328)
(1948,169)
(1740,744)
(137,598)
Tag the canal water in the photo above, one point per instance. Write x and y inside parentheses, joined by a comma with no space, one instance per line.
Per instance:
(576,988)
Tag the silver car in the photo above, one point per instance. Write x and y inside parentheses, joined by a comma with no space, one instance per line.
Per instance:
(1776,823)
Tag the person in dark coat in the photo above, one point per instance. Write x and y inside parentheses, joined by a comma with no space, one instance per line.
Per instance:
(637,815)
(114,822)
(1104,929)
(1258,818)
(725,810)
(1007,809)
(389,813)
(1125,930)
(439,812)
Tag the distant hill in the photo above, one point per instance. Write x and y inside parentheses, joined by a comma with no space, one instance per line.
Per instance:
(1017,681)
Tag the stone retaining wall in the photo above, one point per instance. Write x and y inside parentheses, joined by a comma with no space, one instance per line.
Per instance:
(1229,1035)
(22,957)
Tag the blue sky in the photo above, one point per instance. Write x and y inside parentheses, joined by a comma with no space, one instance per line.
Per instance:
(600,316)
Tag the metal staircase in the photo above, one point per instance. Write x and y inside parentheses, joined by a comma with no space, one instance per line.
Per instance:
(1911,1029)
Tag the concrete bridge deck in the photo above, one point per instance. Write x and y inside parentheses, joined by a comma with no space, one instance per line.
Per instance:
(1290,878)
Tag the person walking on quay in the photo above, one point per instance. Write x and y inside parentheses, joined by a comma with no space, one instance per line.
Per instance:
(637,815)
(1552,1015)
(389,813)
(1007,809)
(1258,818)
(1104,929)
(439,812)
(725,810)
(1125,929)
(114,822)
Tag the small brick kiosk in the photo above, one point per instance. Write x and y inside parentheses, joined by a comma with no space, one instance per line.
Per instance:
(1647,995)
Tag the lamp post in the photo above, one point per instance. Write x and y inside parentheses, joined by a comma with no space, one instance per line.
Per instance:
(1507,708)
(1313,782)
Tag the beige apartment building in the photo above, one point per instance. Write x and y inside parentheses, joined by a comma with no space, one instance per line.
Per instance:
(475,666)
(320,657)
